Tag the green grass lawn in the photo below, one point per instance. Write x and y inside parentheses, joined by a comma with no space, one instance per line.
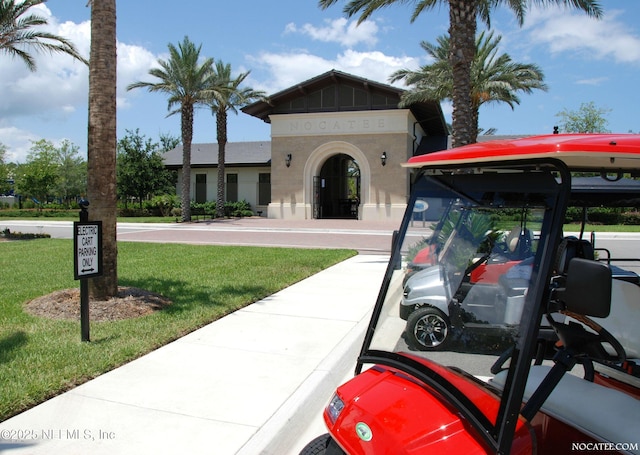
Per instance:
(40,357)
(602,228)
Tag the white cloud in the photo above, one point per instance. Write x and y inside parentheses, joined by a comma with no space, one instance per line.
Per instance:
(134,63)
(592,81)
(287,69)
(18,143)
(574,32)
(376,65)
(59,87)
(341,31)
(59,83)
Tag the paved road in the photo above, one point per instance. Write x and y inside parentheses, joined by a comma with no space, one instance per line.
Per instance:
(366,237)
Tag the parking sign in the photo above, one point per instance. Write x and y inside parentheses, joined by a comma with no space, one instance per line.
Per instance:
(87,244)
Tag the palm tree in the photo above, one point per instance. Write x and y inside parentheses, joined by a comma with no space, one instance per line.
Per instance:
(224,95)
(101,148)
(463,15)
(185,80)
(17,30)
(494,78)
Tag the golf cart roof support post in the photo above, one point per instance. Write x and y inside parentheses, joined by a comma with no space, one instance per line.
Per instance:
(584,221)
(396,258)
(525,347)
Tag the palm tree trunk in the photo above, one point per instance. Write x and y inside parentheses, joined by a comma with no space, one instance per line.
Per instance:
(462,32)
(101,157)
(187,136)
(474,125)
(221,132)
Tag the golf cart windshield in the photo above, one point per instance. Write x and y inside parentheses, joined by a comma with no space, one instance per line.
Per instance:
(459,291)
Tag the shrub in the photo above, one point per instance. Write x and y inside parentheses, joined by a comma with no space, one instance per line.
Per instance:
(573,215)
(204,208)
(33,213)
(631,218)
(604,215)
(162,204)
(237,209)
(133,212)
(6,233)
(599,215)
(29,204)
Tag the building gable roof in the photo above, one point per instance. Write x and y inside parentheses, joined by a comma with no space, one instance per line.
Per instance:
(329,92)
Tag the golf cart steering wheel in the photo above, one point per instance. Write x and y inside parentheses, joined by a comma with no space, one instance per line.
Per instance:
(602,336)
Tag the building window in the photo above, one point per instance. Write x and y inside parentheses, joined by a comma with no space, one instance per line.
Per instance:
(315,100)
(201,188)
(322,100)
(232,187)
(329,97)
(360,98)
(264,189)
(298,103)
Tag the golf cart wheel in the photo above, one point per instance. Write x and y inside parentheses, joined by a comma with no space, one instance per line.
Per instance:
(318,446)
(428,329)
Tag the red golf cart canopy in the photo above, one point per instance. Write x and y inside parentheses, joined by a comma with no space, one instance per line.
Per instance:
(610,152)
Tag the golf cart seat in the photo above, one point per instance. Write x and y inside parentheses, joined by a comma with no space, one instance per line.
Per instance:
(519,242)
(590,407)
(569,248)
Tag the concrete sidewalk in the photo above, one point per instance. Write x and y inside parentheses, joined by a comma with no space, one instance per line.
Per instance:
(250,383)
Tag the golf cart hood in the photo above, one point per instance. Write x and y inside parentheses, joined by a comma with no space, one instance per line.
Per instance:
(384,407)
(428,274)
(429,283)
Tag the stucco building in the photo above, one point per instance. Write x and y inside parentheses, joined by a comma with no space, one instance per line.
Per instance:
(337,142)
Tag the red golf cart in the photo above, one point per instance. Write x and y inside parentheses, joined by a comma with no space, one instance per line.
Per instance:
(487,392)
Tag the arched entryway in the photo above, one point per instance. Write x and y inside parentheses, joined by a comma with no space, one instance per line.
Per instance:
(336,190)
(319,163)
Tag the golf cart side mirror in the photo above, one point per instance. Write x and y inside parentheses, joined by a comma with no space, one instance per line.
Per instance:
(588,288)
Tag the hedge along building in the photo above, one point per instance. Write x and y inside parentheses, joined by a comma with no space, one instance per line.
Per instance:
(337,142)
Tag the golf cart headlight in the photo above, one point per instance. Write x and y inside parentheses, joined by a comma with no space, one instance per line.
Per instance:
(335,407)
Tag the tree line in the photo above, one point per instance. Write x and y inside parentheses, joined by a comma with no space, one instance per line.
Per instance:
(56,176)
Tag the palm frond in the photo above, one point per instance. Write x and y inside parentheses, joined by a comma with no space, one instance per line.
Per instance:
(19,30)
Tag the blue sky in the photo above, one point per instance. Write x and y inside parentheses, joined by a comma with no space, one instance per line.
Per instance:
(289,41)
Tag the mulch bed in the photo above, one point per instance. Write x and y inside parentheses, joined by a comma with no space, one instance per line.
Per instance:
(130,303)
